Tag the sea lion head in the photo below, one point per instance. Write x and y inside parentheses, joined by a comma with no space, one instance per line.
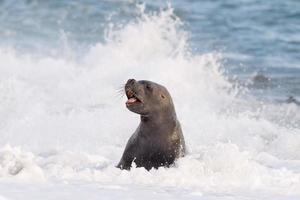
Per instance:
(147,98)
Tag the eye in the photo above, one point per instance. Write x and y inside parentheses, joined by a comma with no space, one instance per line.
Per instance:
(148,87)
(162,96)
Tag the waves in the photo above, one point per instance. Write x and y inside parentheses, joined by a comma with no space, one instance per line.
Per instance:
(65,119)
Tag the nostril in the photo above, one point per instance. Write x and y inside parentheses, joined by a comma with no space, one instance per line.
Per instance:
(130,81)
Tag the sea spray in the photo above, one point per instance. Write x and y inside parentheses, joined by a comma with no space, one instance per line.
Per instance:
(65,115)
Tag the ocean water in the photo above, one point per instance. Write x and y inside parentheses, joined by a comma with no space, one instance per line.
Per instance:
(232,67)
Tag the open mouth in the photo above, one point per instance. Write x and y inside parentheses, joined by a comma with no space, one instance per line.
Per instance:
(132,98)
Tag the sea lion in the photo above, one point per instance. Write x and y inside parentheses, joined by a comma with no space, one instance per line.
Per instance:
(158,140)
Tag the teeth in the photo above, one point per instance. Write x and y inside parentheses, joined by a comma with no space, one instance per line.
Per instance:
(130,94)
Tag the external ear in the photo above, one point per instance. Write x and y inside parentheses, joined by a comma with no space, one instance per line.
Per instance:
(162,96)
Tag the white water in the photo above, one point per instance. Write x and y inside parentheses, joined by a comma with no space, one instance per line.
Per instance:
(63,123)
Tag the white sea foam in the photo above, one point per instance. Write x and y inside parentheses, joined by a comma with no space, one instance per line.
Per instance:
(65,121)
(20,165)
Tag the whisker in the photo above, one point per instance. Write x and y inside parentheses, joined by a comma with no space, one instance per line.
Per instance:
(118,96)
(120,92)
(121,87)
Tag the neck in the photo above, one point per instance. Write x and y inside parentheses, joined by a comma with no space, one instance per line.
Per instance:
(159,119)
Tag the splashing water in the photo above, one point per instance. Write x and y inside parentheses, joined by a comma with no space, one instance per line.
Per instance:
(64,120)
